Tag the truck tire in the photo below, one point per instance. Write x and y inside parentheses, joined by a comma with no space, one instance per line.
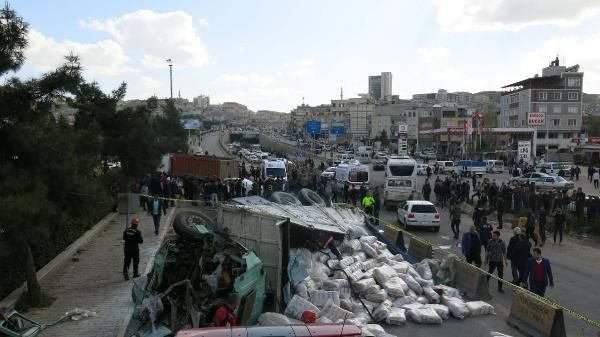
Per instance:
(309,198)
(185,223)
(284,198)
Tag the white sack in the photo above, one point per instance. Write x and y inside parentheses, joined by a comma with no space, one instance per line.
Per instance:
(297,306)
(424,316)
(478,308)
(384,273)
(397,316)
(320,297)
(273,319)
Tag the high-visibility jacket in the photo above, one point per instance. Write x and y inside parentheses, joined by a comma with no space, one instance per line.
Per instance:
(368,201)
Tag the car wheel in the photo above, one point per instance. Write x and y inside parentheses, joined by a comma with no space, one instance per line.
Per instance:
(284,198)
(309,198)
(185,223)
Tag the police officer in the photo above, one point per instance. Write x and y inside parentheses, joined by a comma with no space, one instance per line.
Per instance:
(368,203)
(132,237)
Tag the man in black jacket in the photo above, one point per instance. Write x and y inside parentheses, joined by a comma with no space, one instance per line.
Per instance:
(132,237)
(156,207)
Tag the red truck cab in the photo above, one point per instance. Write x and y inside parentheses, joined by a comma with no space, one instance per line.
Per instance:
(308,330)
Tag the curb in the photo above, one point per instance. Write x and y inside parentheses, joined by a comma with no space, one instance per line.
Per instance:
(161,238)
(225,149)
(60,259)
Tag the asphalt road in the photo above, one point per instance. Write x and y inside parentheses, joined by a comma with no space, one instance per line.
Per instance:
(210,144)
(574,264)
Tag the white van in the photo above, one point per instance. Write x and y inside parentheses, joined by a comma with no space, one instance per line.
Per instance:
(354,173)
(445,166)
(401,180)
(553,169)
(494,166)
(273,168)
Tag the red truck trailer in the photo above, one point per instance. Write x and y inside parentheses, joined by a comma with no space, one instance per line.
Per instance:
(204,167)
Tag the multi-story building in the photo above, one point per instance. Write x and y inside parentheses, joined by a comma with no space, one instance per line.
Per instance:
(202,101)
(375,87)
(557,94)
(380,87)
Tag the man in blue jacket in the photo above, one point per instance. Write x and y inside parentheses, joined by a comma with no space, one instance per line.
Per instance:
(539,273)
(471,246)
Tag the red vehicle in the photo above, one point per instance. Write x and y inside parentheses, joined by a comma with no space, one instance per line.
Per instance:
(308,330)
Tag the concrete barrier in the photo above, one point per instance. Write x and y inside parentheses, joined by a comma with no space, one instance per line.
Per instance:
(11,300)
(223,141)
(471,281)
(419,250)
(535,317)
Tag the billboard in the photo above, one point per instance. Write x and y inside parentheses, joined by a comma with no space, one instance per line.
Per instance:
(313,127)
(536,118)
(190,124)
(524,150)
(338,129)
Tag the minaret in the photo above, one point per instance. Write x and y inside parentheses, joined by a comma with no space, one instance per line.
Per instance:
(341,93)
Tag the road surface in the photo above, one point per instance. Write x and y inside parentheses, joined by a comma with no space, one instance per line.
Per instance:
(210,144)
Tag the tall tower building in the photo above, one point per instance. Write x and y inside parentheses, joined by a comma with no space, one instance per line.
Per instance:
(380,86)
(375,86)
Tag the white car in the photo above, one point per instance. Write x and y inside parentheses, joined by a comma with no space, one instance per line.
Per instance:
(419,213)
(422,169)
(550,183)
(328,173)
(528,178)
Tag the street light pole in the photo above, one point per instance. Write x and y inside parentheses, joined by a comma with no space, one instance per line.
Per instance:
(171,76)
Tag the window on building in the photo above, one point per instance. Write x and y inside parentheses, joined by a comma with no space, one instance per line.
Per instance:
(557,109)
(553,135)
(557,95)
(542,95)
(567,135)
(573,109)
(541,135)
(572,122)
(555,122)
(514,98)
(573,82)
(573,96)
(542,108)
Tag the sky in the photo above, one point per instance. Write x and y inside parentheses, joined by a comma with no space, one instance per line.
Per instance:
(270,54)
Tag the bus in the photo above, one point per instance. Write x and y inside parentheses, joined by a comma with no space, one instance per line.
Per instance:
(401,180)
(354,173)
(470,167)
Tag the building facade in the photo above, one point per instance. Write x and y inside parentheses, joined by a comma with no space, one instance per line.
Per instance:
(375,87)
(386,85)
(557,94)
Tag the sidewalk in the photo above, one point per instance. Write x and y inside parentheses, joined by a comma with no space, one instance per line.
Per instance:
(96,283)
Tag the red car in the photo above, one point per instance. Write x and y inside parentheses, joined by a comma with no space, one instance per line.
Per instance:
(308,330)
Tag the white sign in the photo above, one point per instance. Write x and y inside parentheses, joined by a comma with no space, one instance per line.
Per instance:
(536,118)
(524,150)
(402,128)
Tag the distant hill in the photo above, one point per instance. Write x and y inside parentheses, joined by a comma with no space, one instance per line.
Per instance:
(591,98)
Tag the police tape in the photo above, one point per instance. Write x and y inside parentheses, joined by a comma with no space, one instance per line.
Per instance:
(150,196)
(571,312)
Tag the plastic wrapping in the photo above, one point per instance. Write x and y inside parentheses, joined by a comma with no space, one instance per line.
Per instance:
(378,296)
(424,270)
(401,267)
(411,306)
(382,312)
(368,264)
(363,284)
(376,330)
(373,288)
(334,312)
(346,261)
(395,287)
(380,247)
(323,319)
(396,316)
(359,256)
(449,291)
(441,310)
(368,239)
(457,307)
(412,283)
(400,301)
(478,308)
(346,304)
(425,316)
(273,319)
(321,297)
(298,305)
(431,295)
(384,273)
(369,250)
(422,299)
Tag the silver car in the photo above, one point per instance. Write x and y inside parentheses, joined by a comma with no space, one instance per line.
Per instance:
(528,178)
(550,183)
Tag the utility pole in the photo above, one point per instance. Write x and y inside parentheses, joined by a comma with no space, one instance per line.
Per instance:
(171,75)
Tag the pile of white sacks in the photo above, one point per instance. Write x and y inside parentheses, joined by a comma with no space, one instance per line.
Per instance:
(371,286)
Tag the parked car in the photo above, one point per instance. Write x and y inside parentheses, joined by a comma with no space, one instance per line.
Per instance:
(379,165)
(419,213)
(422,169)
(549,183)
(528,178)
(328,173)
(427,155)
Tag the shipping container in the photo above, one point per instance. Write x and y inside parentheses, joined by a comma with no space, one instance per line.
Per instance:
(206,167)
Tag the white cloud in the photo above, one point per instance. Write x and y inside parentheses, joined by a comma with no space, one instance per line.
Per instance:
(582,50)
(237,79)
(305,69)
(203,23)
(104,57)
(157,36)
(512,15)
(432,54)
(150,86)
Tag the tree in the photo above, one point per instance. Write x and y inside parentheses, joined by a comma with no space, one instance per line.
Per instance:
(172,136)
(384,139)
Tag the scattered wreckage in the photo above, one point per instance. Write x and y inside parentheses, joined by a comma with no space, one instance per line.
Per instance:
(288,259)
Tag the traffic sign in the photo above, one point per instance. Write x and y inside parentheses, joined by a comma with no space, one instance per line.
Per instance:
(338,129)
(524,148)
(536,118)
(313,127)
